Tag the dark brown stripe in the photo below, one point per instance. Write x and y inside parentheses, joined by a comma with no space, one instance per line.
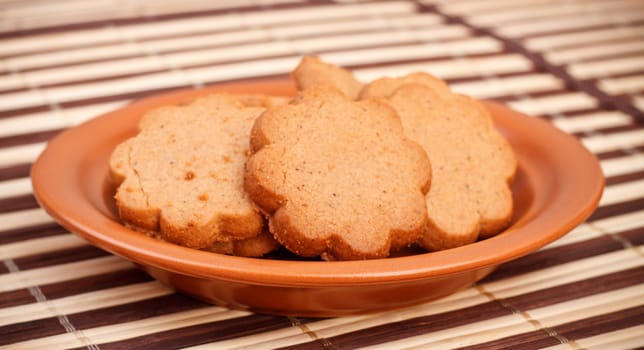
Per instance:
(577,289)
(34,137)
(554,256)
(163,305)
(31,232)
(526,341)
(602,324)
(76,286)
(127,312)
(542,64)
(16,297)
(203,333)
(25,110)
(94,283)
(617,153)
(617,208)
(22,331)
(609,130)
(26,201)
(15,171)
(59,257)
(417,326)
(618,179)
(634,236)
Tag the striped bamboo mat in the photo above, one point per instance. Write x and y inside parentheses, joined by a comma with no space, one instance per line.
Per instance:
(579,64)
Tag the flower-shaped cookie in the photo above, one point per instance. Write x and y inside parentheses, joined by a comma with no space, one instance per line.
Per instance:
(338,178)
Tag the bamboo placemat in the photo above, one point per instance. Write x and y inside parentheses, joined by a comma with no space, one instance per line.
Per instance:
(579,64)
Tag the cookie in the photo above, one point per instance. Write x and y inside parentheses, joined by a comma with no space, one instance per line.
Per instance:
(181,177)
(311,71)
(472,164)
(337,178)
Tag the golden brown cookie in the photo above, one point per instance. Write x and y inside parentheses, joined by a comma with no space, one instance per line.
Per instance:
(472,164)
(313,72)
(181,177)
(337,178)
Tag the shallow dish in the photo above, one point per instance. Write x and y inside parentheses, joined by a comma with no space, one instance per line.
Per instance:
(557,186)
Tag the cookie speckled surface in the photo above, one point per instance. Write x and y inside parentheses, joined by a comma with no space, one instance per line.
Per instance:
(338,178)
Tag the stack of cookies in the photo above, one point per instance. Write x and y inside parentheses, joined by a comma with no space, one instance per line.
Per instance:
(342,171)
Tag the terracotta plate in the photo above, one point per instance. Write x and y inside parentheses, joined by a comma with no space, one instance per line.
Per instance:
(558,185)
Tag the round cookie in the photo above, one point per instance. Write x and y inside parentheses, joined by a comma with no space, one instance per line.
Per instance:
(181,177)
(338,178)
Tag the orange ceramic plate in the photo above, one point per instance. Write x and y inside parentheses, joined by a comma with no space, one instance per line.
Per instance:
(557,186)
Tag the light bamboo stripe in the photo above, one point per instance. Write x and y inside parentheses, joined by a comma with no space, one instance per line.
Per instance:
(563,102)
(472,333)
(622,85)
(198,41)
(374,39)
(20,154)
(622,192)
(78,115)
(606,68)
(21,99)
(468,7)
(378,22)
(613,141)
(591,121)
(23,218)
(452,69)
(127,330)
(628,338)
(589,306)
(212,23)
(505,326)
(34,122)
(570,22)
(582,232)
(580,54)
(526,13)
(11,80)
(623,222)
(510,86)
(564,273)
(243,69)
(83,302)
(40,245)
(552,41)
(639,102)
(62,272)
(622,165)
(476,45)
(15,187)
